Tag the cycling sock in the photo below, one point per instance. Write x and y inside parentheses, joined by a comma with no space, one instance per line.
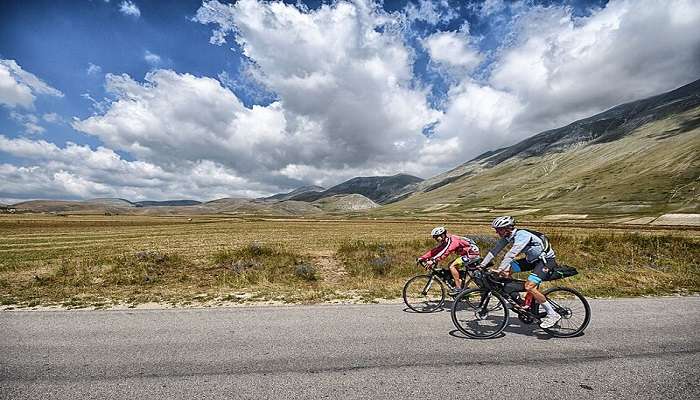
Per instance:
(548,306)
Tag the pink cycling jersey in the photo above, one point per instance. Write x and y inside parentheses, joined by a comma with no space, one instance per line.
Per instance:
(453,244)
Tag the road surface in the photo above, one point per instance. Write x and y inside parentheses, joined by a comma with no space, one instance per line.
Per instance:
(633,348)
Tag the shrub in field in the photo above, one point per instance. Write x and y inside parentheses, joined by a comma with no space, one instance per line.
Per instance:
(143,268)
(485,242)
(306,272)
(376,259)
(382,262)
(69,273)
(259,263)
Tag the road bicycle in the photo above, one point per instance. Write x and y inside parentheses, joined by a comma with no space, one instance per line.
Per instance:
(425,293)
(483,312)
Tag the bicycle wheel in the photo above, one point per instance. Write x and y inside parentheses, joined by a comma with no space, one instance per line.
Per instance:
(480,313)
(573,308)
(424,293)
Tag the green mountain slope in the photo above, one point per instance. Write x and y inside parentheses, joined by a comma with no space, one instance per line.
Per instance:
(648,164)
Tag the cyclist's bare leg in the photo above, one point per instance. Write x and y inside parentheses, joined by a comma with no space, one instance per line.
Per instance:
(531,287)
(455,275)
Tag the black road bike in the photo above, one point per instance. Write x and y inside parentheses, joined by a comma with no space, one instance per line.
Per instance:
(483,312)
(425,293)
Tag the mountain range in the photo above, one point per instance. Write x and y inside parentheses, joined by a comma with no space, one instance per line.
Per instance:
(380,189)
(635,159)
(296,192)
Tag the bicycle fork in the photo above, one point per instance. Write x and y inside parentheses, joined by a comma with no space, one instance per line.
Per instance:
(484,304)
(427,286)
(563,311)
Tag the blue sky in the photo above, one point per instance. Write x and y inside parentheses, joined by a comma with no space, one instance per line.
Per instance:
(192,99)
(58,40)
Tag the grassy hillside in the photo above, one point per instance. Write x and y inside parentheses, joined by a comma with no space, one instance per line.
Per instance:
(653,170)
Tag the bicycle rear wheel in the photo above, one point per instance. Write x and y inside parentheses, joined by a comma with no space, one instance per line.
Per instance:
(424,293)
(480,313)
(573,308)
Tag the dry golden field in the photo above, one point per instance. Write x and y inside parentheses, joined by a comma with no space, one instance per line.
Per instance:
(99,261)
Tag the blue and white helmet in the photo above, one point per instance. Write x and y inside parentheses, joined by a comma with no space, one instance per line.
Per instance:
(503,222)
(438,231)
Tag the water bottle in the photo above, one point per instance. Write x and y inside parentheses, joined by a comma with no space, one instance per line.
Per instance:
(528,300)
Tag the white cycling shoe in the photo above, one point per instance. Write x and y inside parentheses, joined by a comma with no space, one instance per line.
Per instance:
(549,321)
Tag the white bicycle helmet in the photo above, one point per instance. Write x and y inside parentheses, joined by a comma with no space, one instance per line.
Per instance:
(502,222)
(438,231)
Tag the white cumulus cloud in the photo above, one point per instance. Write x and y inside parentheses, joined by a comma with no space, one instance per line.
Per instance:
(29,121)
(77,171)
(93,69)
(52,118)
(432,12)
(128,7)
(452,50)
(19,87)
(152,58)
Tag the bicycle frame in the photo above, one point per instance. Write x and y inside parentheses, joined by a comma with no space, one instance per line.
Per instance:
(439,273)
(492,285)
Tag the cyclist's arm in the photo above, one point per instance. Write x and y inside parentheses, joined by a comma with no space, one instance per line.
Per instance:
(432,253)
(519,243)
(500,245)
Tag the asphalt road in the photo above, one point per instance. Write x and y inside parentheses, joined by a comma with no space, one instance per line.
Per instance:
(633,348)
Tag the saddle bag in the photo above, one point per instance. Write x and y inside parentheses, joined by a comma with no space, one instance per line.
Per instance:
(562,271)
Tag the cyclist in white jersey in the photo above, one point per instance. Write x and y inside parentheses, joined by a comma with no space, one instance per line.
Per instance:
(539,258)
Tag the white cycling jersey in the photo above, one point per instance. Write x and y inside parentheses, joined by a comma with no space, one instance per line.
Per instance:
(523,242)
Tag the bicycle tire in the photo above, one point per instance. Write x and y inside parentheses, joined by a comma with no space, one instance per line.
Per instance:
(416,295)
(569,303)
(483,320)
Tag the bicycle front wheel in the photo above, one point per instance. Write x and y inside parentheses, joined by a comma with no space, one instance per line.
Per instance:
(480,313)
(573,308)
(424,293)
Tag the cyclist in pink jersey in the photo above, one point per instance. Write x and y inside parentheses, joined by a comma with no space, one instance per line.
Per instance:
(448,244)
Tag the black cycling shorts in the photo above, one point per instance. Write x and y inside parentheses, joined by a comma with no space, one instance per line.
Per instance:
(541,270)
